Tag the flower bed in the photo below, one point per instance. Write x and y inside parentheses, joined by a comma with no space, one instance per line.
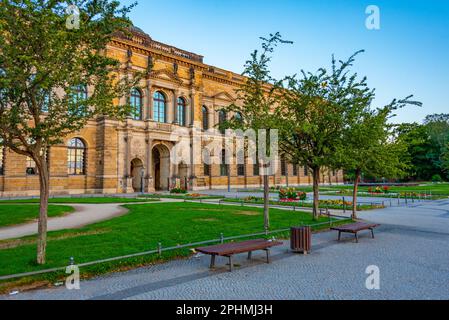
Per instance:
(291,195)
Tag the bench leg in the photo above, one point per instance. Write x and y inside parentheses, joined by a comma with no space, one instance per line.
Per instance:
(356,237)
(339,235)
(268,255)
(212,261)
(231,265)
(372,233)
(250,255)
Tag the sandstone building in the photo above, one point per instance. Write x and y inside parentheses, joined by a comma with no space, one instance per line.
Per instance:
(107,156)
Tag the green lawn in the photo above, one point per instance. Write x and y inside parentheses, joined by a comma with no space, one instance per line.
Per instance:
(100,200)
(13,214)
(141,230)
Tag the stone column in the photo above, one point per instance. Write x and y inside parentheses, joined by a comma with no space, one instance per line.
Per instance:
(192,108)
(129,180)
(149,104)
(175,106)
(149,181)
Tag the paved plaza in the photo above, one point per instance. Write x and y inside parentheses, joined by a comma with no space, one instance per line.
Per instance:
(411,251)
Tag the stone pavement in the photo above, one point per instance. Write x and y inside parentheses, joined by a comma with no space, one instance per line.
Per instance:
(411,251)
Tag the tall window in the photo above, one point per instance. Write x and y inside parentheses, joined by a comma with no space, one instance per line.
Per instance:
(79,96)
(181,111)
(31,166)
(46,102)
(205,113)
(136,104)
(223,166)
(159,107)
(284,168)
(2,158)
(222,119)
(76,162)
(256,169)
(306,171)
(295,169)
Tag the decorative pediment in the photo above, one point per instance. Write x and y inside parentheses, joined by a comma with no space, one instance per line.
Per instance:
(226,96)
(165,75)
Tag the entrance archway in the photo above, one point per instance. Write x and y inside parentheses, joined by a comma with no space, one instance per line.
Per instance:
(137,173)
(161,167)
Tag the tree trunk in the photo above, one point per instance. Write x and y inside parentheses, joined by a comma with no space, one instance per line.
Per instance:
(355,192)
(44,181)
(266,201)
(316,193)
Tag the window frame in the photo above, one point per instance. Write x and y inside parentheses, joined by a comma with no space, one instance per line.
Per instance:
(205,115)
(136,96)
(73,170)
(159,100)
(181,107)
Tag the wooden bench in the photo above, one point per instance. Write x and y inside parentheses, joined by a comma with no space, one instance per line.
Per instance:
(230,249)
(355,228)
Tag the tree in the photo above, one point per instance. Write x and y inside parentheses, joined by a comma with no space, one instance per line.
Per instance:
(313,115)
(257,98)
(46,69)
(369,148)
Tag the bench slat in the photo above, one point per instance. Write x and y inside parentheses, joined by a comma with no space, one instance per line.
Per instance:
(355,227)
(238,247)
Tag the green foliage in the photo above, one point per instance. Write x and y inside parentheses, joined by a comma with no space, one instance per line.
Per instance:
(44,64)
(437,178)
(427,146)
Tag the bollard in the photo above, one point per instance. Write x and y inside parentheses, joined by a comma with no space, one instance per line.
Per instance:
(159,248)
(221,238)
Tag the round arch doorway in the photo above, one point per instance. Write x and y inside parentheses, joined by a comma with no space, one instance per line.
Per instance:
(138,174)
(161,167)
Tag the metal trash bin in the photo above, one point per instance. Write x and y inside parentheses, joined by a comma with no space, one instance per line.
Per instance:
(301,240)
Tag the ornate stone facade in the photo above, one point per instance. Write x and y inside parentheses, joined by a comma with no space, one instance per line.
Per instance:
(134,155)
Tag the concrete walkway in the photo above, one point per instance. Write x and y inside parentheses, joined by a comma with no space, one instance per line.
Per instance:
(84,214)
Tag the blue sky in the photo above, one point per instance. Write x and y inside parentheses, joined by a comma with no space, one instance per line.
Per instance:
(408,55)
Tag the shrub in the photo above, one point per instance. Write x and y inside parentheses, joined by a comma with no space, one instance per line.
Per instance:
(178,191)
(437,178)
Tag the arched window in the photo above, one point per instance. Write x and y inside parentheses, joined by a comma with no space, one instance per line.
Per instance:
(205,113)
(76,153)
(238,117)
(181,111)
(159,107)
(221,120)
(2,158)
(136,104)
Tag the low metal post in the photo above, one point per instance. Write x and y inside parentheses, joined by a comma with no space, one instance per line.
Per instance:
(159,249)
(221,238)
(344,205)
